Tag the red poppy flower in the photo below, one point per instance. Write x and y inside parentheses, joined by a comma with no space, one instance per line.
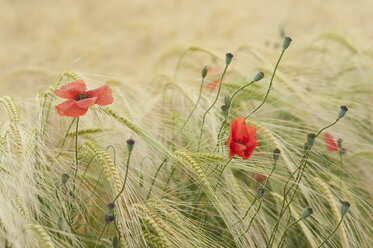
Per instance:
(260,178)
(329,141)
(242,139)
(79,100)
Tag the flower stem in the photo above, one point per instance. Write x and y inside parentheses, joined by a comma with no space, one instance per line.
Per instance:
(67,132)
(336,228)
(284,235)
(102,232)
(76,152)
(221,173)
(125,177)
(269,87)
(212,105)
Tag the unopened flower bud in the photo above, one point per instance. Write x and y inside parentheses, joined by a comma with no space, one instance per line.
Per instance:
(109,218)
(342,150)
(205,69)
(311,139)
(339,143)
(345,207)
(276,154)
(111,205)
(258,76)
(342,111)
(286,42)
(130,144)
(262,192)
(228,58)
(224,109)
(306,213)
(65,177)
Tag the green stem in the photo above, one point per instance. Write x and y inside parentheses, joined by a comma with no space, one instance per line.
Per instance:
(252,219)
(212,105)
(85,172)
(221,173)
(284,235)
(125,177)
(193,109)
(155,177)
(269,87)
(229,108)
(99,237)
(340,170)
(67,132)
(336,228)
(76,152)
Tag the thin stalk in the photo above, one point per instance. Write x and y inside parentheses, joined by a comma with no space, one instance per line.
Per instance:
(252,219)
(102,232)
(76,152)
(270,85)
(125,177)
(155,176)
(67,132)
(85,171)
(336,228)
(284,234)
(221,173)
(212,105)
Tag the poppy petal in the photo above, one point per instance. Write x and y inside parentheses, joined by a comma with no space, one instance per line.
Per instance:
(71,90)
(85,103)
(103,94)
(70,108)
(330,143)
(238,149)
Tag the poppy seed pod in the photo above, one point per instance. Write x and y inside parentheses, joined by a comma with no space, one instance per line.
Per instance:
(224,109)
(130,144)
(306,213)
(343,151)
(205,69)
(311,139)
(262,192)
(286,42)
(342,111)
(339,143)
(276,154)
(258,76)
(228,58)
(111,205)
(109,218)
(345,207)
(65,177)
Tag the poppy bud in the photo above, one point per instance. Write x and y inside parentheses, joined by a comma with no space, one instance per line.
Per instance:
(276,154)
(339,143)
(345,207)
(111,205)
(205,69)
(109,218)
(262,192)
(224,109)
(228,58)
(311,139)
(227,99)
(342,150)
(306,213)
(130,144)
(65,178)
(258,77)
(305,147)
(286,42)
(342,111)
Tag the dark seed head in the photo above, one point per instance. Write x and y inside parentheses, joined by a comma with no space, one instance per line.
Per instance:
(65,178)
(109,218)
(130,144)
(111,205)
(276,154)
(228,58)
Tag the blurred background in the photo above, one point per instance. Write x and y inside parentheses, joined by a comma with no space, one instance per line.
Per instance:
(128,39)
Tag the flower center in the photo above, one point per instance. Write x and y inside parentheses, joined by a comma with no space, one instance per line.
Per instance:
(82,96)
